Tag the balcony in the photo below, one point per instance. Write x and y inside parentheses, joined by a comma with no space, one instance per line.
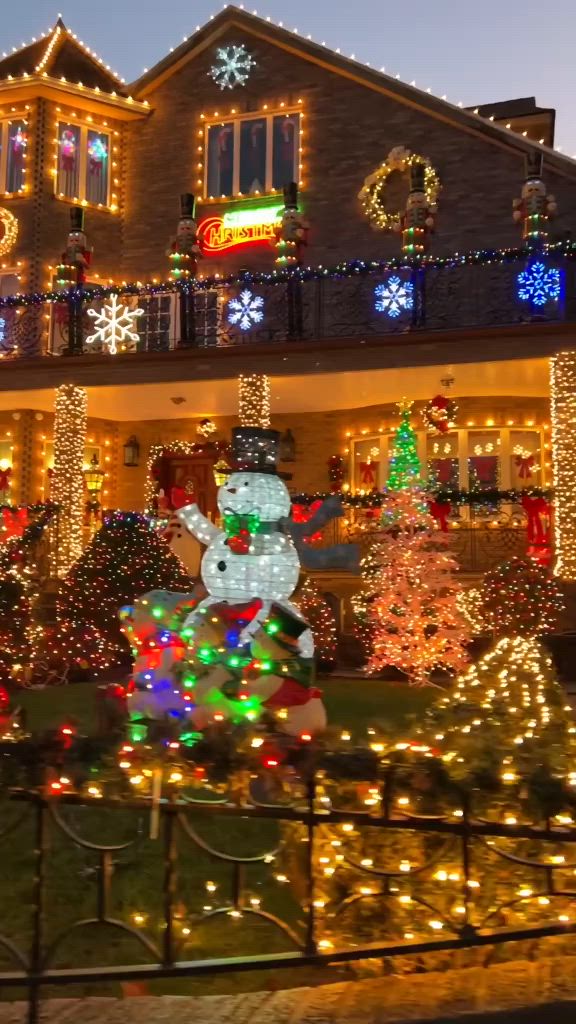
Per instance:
(355,301)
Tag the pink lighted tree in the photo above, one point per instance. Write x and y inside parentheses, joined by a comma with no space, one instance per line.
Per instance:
(417,625)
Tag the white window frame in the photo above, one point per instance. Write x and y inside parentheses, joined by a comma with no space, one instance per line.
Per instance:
(81,197)
(5,139)
(236,122)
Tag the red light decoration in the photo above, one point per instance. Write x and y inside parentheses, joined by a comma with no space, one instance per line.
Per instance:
(216,236)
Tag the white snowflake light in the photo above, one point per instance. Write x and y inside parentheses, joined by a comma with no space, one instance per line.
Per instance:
(246,310)
(114,324)
(394,296)
(539,284)
(232,67)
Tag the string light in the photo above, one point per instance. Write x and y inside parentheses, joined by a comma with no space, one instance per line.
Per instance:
(68,481)
(254,400)
(279,276)
(563,416)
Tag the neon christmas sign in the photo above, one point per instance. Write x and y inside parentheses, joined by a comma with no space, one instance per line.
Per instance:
(239,228)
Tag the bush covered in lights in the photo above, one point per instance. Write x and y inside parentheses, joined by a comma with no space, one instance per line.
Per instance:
(125,559)
(520,598)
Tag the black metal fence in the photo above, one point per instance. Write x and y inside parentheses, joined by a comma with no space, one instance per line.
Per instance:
(256,308)
(261,872)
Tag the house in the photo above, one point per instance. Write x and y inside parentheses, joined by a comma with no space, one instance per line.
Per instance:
(409,277)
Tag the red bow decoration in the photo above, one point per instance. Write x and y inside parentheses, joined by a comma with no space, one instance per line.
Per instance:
(302,514)
(536,508)
(5,475)
(14,522)
(525,464)
(368,472)
(179,497)
(440,510)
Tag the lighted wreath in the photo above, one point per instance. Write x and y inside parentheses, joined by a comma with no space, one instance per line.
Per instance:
(440,413)
(9,230)
(373,193)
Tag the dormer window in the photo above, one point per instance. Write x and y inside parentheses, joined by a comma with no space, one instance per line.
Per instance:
(83,164)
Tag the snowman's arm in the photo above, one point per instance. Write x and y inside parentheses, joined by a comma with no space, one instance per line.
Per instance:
(197,523)
(330,509)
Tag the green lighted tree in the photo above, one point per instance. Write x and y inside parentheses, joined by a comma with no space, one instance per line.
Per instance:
(405,468)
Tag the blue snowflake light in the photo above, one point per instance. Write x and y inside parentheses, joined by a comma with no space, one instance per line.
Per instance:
(246,310)
(232,67)
(539,284)
(394,296)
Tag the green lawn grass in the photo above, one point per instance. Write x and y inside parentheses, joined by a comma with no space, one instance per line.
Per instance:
(353,703)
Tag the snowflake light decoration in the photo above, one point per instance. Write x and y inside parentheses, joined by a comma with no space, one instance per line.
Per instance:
(115,324)
(246,310)
(539,284)
(394,296)
(232,67)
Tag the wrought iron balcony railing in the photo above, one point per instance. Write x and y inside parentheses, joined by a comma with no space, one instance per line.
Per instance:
(355,300)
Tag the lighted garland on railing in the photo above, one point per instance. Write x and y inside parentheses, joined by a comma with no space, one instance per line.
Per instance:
(349,269)
(376,499)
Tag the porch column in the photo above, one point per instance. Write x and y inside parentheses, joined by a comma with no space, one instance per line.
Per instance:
(68,480)
(563,417)
(254,400)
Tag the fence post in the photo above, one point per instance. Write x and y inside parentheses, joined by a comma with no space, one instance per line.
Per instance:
(37,913)
(311,915)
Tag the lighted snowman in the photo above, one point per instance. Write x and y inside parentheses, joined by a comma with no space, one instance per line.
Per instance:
(251,557)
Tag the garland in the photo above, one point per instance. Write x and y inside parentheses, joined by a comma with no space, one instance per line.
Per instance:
(225,751)
(352,268)
(376,499)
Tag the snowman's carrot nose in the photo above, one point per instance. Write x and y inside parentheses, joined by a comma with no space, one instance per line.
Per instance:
(231,490)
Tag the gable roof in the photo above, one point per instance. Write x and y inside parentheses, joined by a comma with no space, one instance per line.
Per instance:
(60,54)
(471,121)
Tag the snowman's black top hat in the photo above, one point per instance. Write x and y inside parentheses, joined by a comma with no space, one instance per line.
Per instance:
(255,450)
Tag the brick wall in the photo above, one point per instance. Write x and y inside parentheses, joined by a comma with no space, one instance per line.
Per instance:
(349,130)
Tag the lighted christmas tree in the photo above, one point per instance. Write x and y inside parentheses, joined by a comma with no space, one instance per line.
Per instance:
(125,558)
(418,626)
(509,706)
(320,617)
(363,599)
(405,469)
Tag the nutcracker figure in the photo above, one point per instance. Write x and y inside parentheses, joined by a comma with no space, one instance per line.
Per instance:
(535,208)
(76,258)
(418,220)
(184,250)
(292,232)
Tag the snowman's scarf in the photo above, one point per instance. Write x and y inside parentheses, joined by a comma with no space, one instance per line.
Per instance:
(240,528)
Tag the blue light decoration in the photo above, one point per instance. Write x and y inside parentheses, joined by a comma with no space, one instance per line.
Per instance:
(394,297)
(539,284)
(246,311)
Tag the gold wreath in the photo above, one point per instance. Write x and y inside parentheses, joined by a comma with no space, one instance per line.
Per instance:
(372,194)
(10,225)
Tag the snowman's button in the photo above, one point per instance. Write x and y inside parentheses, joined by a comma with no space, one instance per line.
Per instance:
(221,566)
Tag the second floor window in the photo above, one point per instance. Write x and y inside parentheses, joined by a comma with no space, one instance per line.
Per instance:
(13,144)
(83,170)
(252,155)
